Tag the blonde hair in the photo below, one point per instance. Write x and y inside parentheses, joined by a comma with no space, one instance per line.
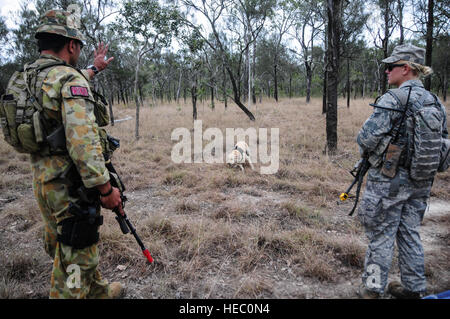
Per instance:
(418,69)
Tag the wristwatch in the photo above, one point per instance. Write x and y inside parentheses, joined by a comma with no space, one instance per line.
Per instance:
(93,68)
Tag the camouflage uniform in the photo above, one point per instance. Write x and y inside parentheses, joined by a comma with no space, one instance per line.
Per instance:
(389,218)
(66,96)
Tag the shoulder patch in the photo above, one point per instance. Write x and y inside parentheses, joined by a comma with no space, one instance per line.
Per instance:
(79,91)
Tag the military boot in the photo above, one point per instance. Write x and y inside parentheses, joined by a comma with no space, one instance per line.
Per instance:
(365,293)
(398,291)
(115,290)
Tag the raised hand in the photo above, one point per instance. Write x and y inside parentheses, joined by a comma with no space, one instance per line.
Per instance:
(100,61)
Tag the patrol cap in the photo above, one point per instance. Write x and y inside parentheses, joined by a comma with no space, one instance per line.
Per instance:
(406,52)
(60,22)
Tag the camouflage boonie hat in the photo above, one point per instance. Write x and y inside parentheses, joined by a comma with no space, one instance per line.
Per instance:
(60,22)
(406,52)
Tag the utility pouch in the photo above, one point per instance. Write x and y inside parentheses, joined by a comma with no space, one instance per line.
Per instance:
(81,230)
(391,161)
(8,107)
(100,110)
(25,133)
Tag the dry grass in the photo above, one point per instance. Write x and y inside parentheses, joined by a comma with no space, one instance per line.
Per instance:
(216,232)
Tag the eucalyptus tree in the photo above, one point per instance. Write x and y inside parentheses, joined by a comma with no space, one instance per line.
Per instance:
(432,20)
(148,26)
(218,13)
(3,31)
(264,70)
(192,50)
(252,15)
(354,18)
(440,58)
(334,28)
(399,17)
(3,37)
(308,27)
(23,42)
(281,22)
(382,32)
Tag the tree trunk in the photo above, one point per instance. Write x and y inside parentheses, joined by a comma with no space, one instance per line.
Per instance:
(249,68)
(290,85)
(111,113)
(348,83)
(179,88)
(253,74)
(224,87)
(400,6)
(275,78)
(308,81)
(325,73)
(385,42)
(237,98)
(324,94)
(122,92)
(429,36)
(212,97)
(334,29)
(194,99)
(141,95)
(136,98)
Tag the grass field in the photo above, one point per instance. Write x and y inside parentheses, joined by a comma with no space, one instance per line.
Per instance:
(217,232)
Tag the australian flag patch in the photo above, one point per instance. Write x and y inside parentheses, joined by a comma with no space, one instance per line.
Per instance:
(79,91)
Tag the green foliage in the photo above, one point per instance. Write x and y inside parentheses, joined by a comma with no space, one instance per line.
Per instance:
(3,30)
(177,51)
(150,20)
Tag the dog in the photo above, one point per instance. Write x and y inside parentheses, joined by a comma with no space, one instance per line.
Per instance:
(239,156)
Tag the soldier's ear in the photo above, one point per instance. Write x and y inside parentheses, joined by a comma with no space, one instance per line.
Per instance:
(406,69)
(72,46)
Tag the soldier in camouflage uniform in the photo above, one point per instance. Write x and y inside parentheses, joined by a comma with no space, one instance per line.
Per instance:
(394,217)
(66,98)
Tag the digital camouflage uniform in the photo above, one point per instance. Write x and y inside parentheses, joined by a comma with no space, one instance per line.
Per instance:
(66,97)
(386,218)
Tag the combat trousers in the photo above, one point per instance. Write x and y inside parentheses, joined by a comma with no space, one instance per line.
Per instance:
(388,219)
(74,274)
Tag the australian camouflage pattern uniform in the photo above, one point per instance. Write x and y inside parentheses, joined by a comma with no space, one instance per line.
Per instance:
(386,216)
(66,98)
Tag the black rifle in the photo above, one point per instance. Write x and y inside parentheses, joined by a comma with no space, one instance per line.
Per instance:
(358,172)
(124,222)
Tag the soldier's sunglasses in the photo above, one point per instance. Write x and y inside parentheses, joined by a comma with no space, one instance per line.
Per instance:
(390,67)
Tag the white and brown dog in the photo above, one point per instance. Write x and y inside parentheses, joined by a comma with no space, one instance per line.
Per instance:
(239,156)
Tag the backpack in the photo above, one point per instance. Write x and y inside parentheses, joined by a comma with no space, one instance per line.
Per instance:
(422,129)
(25,124)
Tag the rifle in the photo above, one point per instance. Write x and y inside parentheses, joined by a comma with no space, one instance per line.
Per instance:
(124,222)
(358,172)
